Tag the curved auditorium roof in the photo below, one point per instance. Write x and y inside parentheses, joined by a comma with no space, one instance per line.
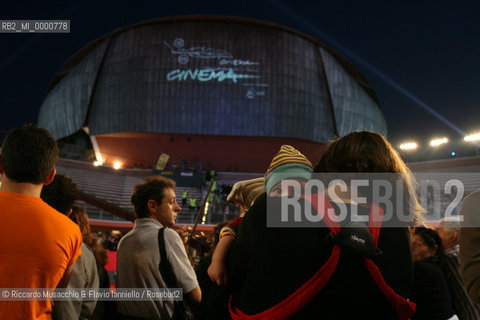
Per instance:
(210,76)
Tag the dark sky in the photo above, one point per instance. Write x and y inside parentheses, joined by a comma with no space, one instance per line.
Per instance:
(427,49)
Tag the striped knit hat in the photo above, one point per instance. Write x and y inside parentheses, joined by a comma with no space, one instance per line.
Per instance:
(288,163)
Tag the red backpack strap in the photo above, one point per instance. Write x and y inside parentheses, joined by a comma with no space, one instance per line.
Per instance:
(303,295)
(405,309)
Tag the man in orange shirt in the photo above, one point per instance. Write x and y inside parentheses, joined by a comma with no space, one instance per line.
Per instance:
(38,245)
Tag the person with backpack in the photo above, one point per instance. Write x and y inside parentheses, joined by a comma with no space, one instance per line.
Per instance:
(297,273)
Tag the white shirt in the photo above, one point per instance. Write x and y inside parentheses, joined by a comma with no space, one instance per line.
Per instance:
(138,258)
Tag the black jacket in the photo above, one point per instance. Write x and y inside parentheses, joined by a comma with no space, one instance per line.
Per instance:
(430,292)
(266,265)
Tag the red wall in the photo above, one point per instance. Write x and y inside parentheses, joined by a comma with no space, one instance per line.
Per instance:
(222,153)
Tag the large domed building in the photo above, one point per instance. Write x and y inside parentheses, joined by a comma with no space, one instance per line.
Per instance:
(223,92)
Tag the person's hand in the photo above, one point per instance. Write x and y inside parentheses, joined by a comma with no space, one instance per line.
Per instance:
(217,272)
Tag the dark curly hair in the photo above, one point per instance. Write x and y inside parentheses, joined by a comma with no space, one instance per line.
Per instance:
(431,239)
(61,193)
(152,188)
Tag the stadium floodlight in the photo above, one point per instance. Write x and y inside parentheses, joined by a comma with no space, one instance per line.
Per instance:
(437,142)
(472,137)
(117,165)
(408,146)
(99,160)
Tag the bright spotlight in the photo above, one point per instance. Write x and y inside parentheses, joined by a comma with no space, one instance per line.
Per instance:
(437,142)
(116,165)
(99,161)
(408,146)
(472,137)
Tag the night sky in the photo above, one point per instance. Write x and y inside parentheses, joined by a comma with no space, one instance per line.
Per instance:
(428,50)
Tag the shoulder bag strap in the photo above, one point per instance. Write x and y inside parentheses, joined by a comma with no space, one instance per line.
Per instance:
(164,266)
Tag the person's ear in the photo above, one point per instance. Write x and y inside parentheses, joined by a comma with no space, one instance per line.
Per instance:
(1,165)
(454,237)
(434,250)
(152,205)
(50,177)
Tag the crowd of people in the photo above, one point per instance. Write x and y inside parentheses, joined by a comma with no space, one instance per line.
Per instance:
(218,204)
(334,269)
(109,240)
